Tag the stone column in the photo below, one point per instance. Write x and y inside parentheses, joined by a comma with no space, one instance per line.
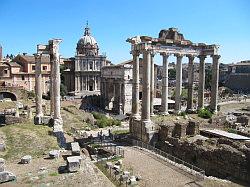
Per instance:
(201,82)
(214,86)
(38,89)
(152,89)
(190,82)
(178,88)
(145,116)
(135,88)
(54,47)
(120,99)
(51,89)
(164,96)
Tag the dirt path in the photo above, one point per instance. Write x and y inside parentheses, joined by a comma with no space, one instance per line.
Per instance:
(154,172)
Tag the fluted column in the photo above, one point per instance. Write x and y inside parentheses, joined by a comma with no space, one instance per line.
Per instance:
(152,85)
(54,48)
(190,82)
(178,88)
(201,81)
(145,116)
(38,86)
(164,97)
(135,88)
(214,86)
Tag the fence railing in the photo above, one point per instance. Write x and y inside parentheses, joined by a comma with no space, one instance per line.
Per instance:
(194,170)
(115,150)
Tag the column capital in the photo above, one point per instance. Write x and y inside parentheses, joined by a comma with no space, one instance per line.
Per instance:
(165,54)
(135,52)
(202,57)
(215,56)
(191,57)
(178,55)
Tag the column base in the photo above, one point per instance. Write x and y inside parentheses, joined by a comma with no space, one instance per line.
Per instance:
(136,116)
(41,120)
(152,114)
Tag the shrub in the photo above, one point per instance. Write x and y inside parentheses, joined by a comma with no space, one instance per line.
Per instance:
(103,121)
(204,113)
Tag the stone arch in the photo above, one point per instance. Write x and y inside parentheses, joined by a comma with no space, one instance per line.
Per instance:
(6,94)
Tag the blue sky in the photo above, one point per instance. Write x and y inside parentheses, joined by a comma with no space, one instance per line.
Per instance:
(25,23)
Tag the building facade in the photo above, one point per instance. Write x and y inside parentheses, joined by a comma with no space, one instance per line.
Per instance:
(238,77)
(88,64)
(116,88)
(20,72)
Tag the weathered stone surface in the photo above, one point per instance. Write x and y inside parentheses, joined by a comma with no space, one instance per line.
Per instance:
(26,159)
(6,176)
(180,130)
(13,119)
(54,154)
(215,157)
(2,146)
(73,163)
(2,164)
(192,128)
(75,149)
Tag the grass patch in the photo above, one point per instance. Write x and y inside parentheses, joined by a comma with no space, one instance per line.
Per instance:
(205,113)
(27,139)
(120,132)
(53,174)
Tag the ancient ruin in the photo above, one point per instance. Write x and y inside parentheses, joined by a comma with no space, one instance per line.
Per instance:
(52,49)
(169,42)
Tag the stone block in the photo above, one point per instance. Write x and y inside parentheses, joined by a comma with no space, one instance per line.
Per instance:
(192,128)
(2,164)
(26,159)
(73,163)
(132,180)
(2,146)
(54,154)
(109,165)
(180,130)
(75,149)
(6,176)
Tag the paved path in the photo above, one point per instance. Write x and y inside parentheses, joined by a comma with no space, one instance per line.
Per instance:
(154,172)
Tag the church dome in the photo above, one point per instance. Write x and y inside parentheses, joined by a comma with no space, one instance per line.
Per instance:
(87,44)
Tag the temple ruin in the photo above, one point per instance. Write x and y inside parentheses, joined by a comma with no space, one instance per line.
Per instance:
(52,49)
(169,42)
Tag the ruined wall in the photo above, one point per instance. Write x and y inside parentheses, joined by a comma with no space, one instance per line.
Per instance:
(221,158)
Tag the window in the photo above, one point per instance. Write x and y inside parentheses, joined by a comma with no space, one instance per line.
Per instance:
(23,78)
(33,68)
(5,71)
(44,68)
(128,77)
(91,65)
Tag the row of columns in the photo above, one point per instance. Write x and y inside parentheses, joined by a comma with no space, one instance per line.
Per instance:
(83,83)
(148,84)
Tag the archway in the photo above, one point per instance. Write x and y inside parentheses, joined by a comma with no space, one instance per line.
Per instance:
(10,95)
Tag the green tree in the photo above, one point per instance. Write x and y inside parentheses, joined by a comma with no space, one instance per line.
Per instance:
(208,78)
(172,73)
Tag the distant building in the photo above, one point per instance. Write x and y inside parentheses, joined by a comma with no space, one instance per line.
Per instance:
(238,78)
(83,73)
(21,72)
(116,88)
